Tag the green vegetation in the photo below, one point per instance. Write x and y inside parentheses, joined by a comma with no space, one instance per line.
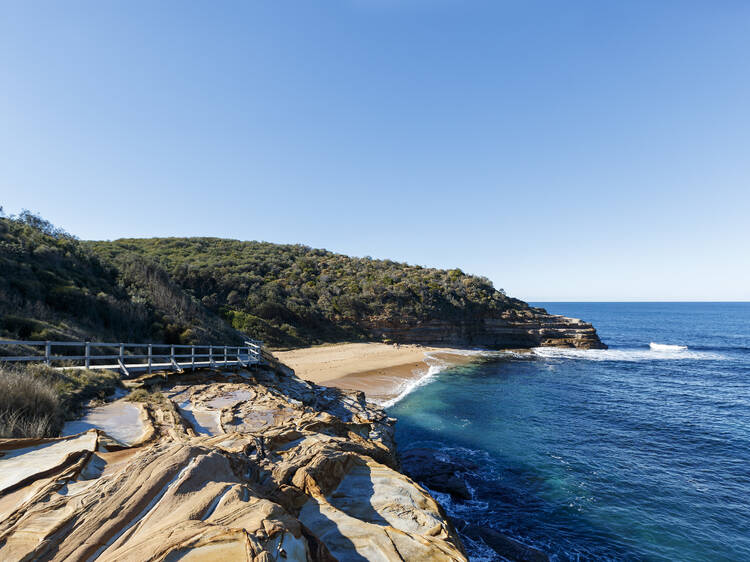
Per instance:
(196,290)
(35,400)
(200,290)
(293,295)
(53,287)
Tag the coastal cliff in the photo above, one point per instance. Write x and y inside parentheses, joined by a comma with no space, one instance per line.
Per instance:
(516,328)
(256,465)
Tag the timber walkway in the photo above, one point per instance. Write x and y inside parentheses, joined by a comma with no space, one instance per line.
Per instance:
(130,358)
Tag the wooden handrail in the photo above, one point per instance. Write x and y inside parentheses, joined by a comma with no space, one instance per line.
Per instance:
(197,356)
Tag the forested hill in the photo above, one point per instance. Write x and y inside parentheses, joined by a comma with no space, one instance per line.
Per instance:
(198,290)
(189,290)
(53,287)
(296,295)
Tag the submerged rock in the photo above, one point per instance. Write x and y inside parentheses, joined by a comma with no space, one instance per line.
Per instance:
(508,548)
(437,471)
(288,471)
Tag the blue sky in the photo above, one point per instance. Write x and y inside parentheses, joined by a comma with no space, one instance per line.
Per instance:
(567,150)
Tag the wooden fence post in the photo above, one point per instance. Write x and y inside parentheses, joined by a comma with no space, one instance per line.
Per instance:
(192,357)
(47,348)
(88,354)
(225,356)
(122,353)
(149,359)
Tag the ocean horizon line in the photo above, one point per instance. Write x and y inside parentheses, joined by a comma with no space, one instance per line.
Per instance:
(655,301)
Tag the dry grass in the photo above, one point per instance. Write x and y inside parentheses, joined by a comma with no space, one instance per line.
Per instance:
(29,405)
(153,396)
(35,400)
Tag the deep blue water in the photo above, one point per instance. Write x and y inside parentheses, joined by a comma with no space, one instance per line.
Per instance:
(625,454)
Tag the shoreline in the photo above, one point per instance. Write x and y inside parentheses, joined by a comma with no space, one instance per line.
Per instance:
(384,372)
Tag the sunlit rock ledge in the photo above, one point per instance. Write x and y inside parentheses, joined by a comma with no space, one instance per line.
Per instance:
(254,465)
(512,329)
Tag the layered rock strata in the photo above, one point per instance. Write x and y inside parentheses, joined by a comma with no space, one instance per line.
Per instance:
(523,328)
(254,466)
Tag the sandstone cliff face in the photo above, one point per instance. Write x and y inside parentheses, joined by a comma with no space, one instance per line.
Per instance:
(521,328)
(247,466)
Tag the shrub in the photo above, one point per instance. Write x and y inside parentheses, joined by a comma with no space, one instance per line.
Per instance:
(143,395)
(29,405)
(36,399)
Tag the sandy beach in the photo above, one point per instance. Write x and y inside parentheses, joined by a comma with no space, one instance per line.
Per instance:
(382,371)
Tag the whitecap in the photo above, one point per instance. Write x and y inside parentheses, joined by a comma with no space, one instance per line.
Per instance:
(666,347)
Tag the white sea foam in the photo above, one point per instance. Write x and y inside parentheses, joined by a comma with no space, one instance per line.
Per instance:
(434,366)
(655,352)
(666,347)
(677,352)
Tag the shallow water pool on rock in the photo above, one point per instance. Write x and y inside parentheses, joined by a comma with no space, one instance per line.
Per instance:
(207,422)
(120,420)
(230,399)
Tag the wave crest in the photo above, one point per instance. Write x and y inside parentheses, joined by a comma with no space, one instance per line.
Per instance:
(666,347)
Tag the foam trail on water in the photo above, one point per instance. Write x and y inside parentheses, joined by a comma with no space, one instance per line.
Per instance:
(668,352)
(666,347)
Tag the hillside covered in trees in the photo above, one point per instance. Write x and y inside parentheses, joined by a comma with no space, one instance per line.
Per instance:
(189,290)
(296,295)
(53,287)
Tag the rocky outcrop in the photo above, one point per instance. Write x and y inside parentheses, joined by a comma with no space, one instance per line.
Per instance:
(230,466)
(515,328)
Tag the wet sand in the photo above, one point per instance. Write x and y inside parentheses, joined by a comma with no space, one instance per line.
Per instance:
(381,371)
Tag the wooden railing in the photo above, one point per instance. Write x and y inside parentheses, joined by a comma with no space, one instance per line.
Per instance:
(135,357)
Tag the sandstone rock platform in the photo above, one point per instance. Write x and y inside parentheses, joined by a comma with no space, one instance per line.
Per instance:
(254,465)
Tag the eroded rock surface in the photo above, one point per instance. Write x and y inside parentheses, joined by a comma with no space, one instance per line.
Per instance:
(514,328)
(284,470)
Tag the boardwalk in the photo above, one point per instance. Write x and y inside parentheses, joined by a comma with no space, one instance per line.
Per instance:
(129,358)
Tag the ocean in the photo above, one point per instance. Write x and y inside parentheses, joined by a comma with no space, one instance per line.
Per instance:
(638,452)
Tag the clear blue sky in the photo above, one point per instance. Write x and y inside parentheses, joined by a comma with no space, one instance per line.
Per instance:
(575,150)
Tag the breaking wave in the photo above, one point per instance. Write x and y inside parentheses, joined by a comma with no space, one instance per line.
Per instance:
(434,366)
(661,352)
(666,347)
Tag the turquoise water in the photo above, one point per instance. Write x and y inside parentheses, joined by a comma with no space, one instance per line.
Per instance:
(631,453)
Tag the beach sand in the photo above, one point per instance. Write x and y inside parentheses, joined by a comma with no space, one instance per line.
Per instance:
(382,371)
